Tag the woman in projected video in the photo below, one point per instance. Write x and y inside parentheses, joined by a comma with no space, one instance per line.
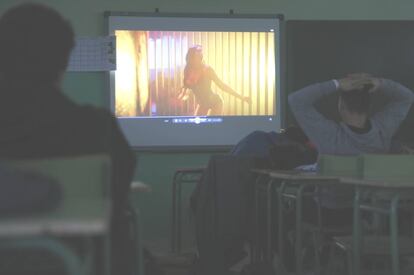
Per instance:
(197,78)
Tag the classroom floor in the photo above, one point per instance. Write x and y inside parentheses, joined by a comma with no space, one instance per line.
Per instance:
(180,265)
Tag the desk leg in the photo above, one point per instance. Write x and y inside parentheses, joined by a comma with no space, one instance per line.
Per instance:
(174,214)
(138,262)
(89,266)
(280,222)
(269,220)
(298,243)
(179,218)
(107,253)
(255,248)
(394,235)
(356,234)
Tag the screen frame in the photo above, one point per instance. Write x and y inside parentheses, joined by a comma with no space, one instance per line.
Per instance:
(280,69)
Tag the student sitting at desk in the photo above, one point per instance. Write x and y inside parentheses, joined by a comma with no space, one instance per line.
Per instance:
(37,120)
(357,133)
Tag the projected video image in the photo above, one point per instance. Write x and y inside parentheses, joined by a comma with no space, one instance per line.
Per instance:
(166,73)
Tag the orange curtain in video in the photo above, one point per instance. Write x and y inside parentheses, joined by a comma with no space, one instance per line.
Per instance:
(131,85)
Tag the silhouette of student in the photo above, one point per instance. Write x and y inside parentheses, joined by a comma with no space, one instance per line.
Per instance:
(197,78)
(37,120)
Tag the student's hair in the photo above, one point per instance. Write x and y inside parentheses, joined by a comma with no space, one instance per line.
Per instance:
(35,43)
(358,100)
(196,49)
(191,79)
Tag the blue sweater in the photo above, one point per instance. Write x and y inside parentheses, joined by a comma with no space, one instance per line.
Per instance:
(336,138)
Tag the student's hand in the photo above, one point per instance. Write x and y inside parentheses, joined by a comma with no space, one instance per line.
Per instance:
(247,99)
(352,82)
(376,83)
(183,94)
(359,75)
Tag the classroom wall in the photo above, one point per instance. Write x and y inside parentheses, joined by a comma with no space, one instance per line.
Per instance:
(157,169)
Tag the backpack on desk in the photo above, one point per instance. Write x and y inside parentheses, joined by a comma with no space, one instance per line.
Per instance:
(281,151)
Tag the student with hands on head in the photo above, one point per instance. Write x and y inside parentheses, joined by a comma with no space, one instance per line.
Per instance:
(358,131)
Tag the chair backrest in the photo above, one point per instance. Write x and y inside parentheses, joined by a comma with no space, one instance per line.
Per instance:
(343,166)
(80,176)
(388,167)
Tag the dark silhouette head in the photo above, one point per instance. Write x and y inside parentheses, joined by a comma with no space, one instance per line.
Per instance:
(35,44)
(194,64)
(357,101)
(194,56)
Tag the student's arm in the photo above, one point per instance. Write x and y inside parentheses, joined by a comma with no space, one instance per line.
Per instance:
(400,100)
(320,130)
